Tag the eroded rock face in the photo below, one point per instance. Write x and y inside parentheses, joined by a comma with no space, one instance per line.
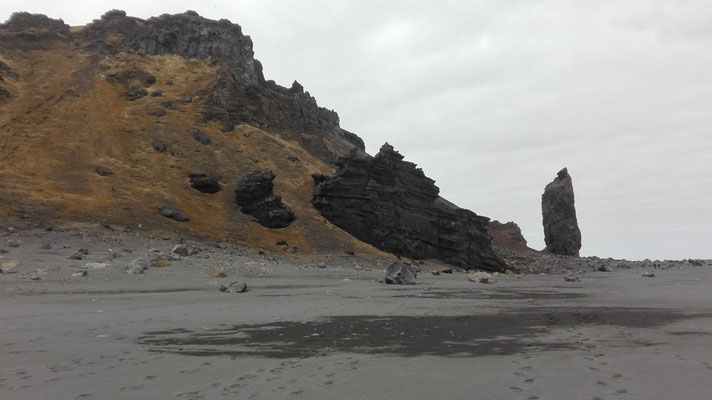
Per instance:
(241,94)
(254,196)
(392,205)
(561,231)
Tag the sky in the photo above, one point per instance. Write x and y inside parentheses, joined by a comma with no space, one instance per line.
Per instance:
(492,98)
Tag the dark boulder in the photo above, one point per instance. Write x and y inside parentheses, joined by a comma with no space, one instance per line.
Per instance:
(391,204)
(401,274)
(254,197)
(175,214)
(561,231)
(205,183)
(103,171)
(201,137)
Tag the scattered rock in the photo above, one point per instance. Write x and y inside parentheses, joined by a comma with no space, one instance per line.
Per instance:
(187,99)
(176,153)
(81,273)
(175,214)
(479,277)
(401,274)
(218,272)
(136,266)
(389,203)
(350,252)
(649,274)
(205,183)
(3,251)
(168,104)
(35,277)
(83,251)
(447,271)
(561,231)
(184,250)
(254,197)
(46,246)
(571,277)
(103,171)
(76,256)
(234,287)
(136,92)
(201,137)
(604,268)
(291,250)
(696,263)
(281,243)
(158,112)
(159,145)
(8,267)
(14,243)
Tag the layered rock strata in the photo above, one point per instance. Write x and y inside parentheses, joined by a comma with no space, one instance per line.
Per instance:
(255,197)
(561,231)
(392,205)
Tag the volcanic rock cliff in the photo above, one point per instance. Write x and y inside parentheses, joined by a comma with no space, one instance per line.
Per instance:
(561,231)
(392,205)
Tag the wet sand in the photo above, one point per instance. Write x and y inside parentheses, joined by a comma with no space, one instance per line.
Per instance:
(335,332)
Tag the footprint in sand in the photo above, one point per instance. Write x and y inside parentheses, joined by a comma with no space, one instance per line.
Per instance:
(515,389)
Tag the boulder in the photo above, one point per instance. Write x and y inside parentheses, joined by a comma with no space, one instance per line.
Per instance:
(234,287)
(175,214)
(390,204)
(571,277)
(204,183)
(136,266)
(479,277)
(561,231)
(254,197)
(401,274)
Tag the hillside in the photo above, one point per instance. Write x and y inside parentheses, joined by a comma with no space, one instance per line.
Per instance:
(155,123)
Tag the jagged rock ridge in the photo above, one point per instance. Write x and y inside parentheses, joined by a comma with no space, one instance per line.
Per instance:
(241,95)
(561,231)
(392,205)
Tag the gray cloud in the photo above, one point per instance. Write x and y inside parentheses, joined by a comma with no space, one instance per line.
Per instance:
(492,98)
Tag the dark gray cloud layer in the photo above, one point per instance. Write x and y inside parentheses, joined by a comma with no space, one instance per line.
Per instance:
(492,98)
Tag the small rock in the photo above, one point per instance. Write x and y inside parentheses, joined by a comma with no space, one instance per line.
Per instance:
(648,274)
(159,112)
(201,137)
(479,277)
(7,267)
(281,243)
(156,93)
(3,251)
(175,214)
(35,277)
(358,267)
(447,271)
(76,256)
(83,251)
(83,273)
(234,287)
(184,250)
(400,274)
(14,243)
(136,266)
(187,99)
(350,252)
(321,265)
(102,171)
(571,277)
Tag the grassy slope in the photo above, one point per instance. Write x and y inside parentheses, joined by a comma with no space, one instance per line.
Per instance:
(64,119)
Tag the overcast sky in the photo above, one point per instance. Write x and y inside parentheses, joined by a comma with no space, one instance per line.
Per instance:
(492,98)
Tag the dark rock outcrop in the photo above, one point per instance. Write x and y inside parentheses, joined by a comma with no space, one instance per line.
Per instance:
(27,31)
(254,196)
(241,94)
(201,137)
(401,274)
(509,230)
(204,183)
(561,231)
(392,205)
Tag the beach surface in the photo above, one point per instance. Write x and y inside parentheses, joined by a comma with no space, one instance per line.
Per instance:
(330,329)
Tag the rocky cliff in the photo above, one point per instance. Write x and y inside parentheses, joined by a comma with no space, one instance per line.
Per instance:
(392,205)
(561,231)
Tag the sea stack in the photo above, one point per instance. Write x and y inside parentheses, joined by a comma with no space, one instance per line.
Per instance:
(561,231)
